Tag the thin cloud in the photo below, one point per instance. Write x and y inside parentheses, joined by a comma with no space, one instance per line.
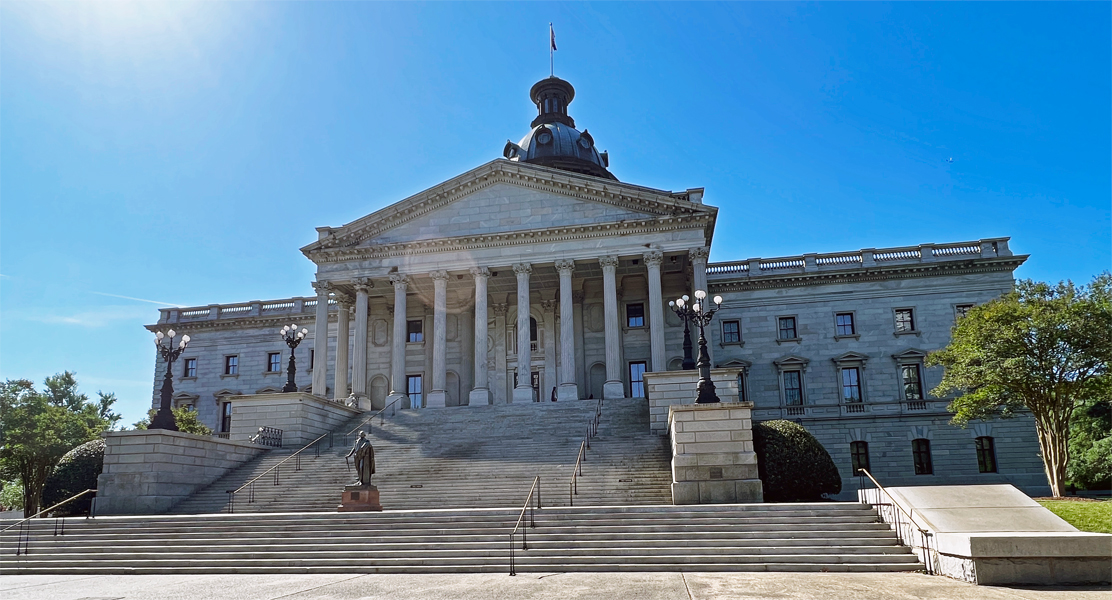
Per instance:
(137,299)
(100,317)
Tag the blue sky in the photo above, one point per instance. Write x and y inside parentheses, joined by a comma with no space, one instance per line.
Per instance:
(181,153)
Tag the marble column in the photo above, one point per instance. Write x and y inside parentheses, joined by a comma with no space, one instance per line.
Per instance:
(523,391)
(398,384)
(699,277)
(480,395)
(320,341)
(548,383)
(343,340)
(359,354)
(437,398)
(613,387)
(500,369)
(568,389)
(656,311)
(577,298)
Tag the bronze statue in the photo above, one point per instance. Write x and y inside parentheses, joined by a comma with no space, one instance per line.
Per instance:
(364,459)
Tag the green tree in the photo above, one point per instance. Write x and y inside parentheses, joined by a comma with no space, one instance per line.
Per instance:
(38,428)
(1090,465)
(1041,347)
(186,419)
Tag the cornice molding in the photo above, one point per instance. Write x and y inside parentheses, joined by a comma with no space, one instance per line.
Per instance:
(255,321)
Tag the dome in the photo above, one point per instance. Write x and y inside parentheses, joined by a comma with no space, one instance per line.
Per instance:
(554,141)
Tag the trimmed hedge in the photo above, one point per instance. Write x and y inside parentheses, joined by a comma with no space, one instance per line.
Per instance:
(792,464)
(75,472)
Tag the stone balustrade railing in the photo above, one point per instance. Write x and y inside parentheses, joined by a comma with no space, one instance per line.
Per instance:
(867,257)
(268,308)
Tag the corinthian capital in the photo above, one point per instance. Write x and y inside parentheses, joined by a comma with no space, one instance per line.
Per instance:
(499,309)
(478,272)
(439,275)
(364,285)
(323,288)
(398,279)
(608,261)
(523,268)
(548,305)
(699,254)
(565,265)
(343,299)
(653,258)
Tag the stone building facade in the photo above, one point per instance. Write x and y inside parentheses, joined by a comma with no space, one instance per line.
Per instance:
(541,277)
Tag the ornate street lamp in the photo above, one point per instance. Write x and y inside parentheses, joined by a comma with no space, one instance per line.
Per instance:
(164,419)
(292,337)
(696,313)
(683,311)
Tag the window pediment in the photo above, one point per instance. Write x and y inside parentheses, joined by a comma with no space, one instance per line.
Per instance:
(910,355)
(791,362)
(851,359)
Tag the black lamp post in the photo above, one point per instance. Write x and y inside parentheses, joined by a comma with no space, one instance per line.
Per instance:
(292,337)
(164,419)
(696,313)
(683,311)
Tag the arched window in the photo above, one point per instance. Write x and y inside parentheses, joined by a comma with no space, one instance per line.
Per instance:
(859,457)
(986,455)
(921,453)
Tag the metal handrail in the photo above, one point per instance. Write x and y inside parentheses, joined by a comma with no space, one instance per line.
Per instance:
(577,471)
(59,523)
(536,487)
(924,534)
(383,420)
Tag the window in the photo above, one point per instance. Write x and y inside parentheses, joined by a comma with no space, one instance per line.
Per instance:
(231,365)
(742,384)
(986,455)
(793,388)
(635,317)
(851,384)
(859,456)
(190,368)
(921,452)
(787,328)
(905,320)
(912,384)
(413,390)
(274,362)
(512,333)
(312,355)
(414,331)
(961,310)
(637,379)
(731,332)
(844,324)
(226,417)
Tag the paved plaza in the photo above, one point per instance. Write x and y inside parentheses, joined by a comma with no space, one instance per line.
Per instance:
(603,586)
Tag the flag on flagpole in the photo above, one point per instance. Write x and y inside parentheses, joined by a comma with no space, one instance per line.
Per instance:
(551,37)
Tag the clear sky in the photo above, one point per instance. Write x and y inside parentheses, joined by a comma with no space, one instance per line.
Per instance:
(181,153)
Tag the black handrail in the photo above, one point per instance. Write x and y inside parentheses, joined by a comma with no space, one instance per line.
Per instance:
(536,487)
(577,471)
(383,420)
(59,523)
(904,530)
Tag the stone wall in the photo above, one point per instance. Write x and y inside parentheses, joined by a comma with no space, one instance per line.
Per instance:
(302,417)
(670,388)
(149,471)
(713,461)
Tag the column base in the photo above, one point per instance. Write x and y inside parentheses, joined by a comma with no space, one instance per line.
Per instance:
(436,399)
(403,401)
(523,395)
(479,397)
(567,391)
(613,390)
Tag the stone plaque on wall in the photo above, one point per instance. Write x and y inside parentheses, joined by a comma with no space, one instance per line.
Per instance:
(380,332)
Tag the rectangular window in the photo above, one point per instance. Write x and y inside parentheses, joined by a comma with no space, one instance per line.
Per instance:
(986,455)
(844,323)
(905,320)
(731,332)
(635,316)
(921,452)
(231,365)
(961,310)
(851,385)
(787,328)
(413,389)
(190,369)
(414,331)
(793,388)
(637,379)
(741,385)
(273,362)
(226,417)
(312,355)
(913,386)
(859,456)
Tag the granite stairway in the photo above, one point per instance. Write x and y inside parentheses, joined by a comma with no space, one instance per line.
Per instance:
(481,457)
(827,537)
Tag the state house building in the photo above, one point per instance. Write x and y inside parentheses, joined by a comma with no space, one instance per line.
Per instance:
(541,276)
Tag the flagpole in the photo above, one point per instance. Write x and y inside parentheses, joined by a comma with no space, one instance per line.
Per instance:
(551,69)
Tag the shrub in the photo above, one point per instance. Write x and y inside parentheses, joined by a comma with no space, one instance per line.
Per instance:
(793,465)
(75,472)
(11,496)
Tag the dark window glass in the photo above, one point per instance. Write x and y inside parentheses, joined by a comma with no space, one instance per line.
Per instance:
(787,328)
(414,390)
(414,331)
(231,365)
(986,455)
(190,369)
(913,386)
(921,452)
(851,385)
(859,456)
(226,418)
(312,355)
(793,388)
(905,320)
(731,332)
(635,317)
(274,362)
(962,309)
(845,324)
(532,330)
(741,397)
(637,379)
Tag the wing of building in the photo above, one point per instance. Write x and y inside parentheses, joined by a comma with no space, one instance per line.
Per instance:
(539,276)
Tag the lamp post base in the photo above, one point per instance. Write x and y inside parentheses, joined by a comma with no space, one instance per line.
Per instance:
(164,419)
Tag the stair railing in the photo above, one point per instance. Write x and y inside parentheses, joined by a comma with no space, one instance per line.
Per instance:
(296,457)
(381,414)
(577,471)
(23,542)
(903,521)
(534,495)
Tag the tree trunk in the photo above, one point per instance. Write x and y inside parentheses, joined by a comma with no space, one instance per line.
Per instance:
(1054,445)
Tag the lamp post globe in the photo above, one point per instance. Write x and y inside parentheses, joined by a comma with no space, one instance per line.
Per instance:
(164,418)
(682,309)
(292,337)
(699,313)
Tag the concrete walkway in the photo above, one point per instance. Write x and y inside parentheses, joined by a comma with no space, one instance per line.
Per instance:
(593,586)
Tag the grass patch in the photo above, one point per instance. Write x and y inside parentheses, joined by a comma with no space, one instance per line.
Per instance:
(1087,516)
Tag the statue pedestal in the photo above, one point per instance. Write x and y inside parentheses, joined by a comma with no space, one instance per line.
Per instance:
(358,498)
